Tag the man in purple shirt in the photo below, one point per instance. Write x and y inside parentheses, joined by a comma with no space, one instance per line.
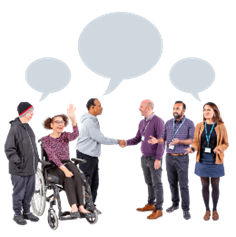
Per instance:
(151,125)
(178,134)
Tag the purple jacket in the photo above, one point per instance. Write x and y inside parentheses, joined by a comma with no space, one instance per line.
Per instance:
(155,129)
(57,149)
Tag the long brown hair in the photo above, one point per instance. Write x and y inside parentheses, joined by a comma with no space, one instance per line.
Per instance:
(217,118)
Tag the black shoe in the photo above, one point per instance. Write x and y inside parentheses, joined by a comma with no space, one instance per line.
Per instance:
(87,215)
(30,217)
(98,212)
(172,208)
(19,220)
(187,215)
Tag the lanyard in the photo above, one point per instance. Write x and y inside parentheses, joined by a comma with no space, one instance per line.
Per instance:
(146,125)
(178,127)
(208,137)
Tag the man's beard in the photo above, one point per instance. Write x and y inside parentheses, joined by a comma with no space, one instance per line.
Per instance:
(178,116)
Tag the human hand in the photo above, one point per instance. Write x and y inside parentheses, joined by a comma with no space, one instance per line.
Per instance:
(153,140)
(188,150)
(68,174)
(157,164)
(216,150)
(71,112)
(176,141)
(122,143)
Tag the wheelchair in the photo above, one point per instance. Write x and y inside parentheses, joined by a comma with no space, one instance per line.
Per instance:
(45,181)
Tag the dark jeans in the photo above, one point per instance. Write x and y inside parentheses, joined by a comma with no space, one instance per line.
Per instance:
(177,172)
(73,185)
(90,170)
(153,180)
(23,191)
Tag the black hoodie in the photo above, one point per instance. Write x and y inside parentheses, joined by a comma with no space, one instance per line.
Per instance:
(21,150)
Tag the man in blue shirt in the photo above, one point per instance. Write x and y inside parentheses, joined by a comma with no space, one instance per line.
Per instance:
(178,134)
(151,157)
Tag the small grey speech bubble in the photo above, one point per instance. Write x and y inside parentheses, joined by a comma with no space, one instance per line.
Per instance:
(47,75)
(192,75)
(120,46)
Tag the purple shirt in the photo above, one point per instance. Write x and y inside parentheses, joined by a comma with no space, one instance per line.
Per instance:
(57,149)
(155,129)
(185,132)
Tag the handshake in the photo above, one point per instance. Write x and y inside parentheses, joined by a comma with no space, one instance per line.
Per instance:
(122,143)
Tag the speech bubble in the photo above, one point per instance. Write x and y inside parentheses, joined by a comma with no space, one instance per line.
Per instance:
(120,46)
(47,75)
(192,75)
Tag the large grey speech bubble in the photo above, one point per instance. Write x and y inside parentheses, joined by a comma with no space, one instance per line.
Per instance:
(192,75)
(120,46)
(48,75)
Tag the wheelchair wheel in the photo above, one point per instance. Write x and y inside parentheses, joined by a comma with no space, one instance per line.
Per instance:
(38,201)
(52,219)
(94,219)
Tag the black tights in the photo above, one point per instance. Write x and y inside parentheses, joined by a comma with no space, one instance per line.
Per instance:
(206,192)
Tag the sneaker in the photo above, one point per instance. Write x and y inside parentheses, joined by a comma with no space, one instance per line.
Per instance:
(19,220)
(172,208)
(30,217)
(187,215)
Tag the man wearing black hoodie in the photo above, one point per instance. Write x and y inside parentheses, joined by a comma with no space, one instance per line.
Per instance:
(21,151)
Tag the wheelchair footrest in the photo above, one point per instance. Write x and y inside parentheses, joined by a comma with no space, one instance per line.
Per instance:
(66,216)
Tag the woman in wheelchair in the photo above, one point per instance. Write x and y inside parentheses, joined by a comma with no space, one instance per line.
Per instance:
(56,146)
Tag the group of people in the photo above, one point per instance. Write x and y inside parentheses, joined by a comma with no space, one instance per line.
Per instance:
(209,139)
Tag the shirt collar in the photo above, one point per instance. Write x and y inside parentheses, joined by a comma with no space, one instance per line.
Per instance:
(180,120)
(149,117)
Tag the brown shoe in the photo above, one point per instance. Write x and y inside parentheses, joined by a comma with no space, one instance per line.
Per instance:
(215,216)
(207,216)
(156,213)
(147,207)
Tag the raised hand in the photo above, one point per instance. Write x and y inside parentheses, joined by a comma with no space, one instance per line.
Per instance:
(71,112)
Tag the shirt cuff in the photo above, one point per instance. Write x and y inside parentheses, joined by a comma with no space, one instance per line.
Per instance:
(158,158)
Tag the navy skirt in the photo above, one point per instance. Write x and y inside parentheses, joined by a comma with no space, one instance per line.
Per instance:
(206,167)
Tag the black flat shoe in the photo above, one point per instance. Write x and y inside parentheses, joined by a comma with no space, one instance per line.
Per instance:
(87,215)
(20,220)
(172,208)
(30,217)
(75,214)
(187,215)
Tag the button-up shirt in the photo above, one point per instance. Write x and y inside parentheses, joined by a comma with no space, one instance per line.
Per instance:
(186,131)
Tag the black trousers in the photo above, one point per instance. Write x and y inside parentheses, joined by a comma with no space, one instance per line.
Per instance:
(90,169)
(23,191)
(177,172)
(73,185)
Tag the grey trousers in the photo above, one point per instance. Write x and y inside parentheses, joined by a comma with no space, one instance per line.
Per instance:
(23,191)
(177,172)
(153,180)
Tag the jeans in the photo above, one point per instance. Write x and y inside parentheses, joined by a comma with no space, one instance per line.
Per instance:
(153,180)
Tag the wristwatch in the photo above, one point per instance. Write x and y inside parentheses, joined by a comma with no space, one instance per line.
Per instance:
(192,149)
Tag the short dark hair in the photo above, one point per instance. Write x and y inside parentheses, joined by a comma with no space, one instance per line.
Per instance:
(91,103)
(181,102)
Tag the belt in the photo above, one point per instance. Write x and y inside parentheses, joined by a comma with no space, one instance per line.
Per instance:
(175,154)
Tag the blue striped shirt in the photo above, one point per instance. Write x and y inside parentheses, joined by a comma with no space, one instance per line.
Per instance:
(185,132)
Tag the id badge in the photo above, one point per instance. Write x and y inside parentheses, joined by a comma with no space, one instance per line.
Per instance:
(143,138)
(171,147)
(207,150)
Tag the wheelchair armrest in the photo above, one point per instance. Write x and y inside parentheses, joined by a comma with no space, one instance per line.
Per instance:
(78,161)
(45,163)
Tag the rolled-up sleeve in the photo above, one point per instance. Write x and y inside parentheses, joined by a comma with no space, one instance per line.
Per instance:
(191,130)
